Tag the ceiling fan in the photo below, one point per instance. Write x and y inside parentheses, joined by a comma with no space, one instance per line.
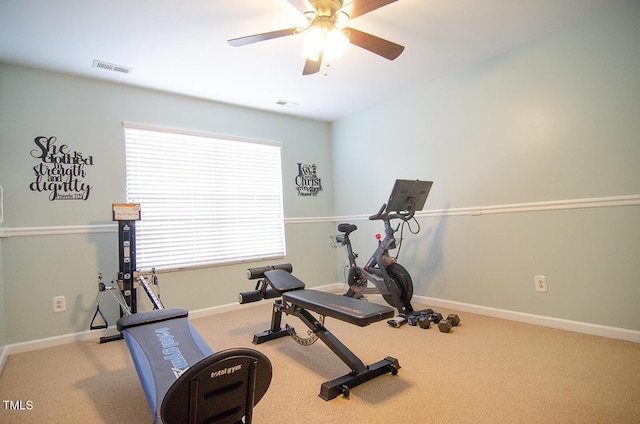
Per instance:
(326,36)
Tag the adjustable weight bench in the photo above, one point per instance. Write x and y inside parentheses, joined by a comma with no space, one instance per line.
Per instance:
(183,379)
(277,281)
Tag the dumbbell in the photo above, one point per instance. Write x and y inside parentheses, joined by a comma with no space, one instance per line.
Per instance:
(414,319)
(424,321)
(447,324)
(444,325)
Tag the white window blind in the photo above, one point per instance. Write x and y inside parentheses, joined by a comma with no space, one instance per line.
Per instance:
(205,199)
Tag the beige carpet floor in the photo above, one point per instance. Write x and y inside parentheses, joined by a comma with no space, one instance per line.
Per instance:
(487,370)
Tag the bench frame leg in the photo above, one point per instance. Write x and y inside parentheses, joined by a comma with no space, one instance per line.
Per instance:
(360,372)
(276,331)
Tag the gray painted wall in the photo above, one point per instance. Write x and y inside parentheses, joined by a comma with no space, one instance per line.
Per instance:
(555,121)
(87,115)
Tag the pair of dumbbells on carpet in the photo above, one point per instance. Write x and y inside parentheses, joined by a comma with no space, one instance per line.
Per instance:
(425,318)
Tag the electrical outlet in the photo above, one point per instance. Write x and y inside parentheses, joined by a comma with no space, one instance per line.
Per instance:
(541,283)
(59,304)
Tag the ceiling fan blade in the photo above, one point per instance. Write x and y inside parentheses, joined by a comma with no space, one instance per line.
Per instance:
(377,45)
(312,66)
(357,8)
(249,39)
(303,6)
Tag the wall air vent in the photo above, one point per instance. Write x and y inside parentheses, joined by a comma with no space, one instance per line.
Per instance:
(111,67)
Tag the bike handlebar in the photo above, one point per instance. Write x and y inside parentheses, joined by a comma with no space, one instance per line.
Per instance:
(405,216)
(380,214)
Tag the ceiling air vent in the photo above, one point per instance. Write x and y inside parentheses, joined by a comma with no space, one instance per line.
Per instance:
(287,103)
(111,67)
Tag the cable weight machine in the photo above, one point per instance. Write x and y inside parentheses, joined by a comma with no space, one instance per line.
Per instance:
(129,278)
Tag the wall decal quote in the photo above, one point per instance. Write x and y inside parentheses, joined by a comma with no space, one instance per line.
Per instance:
(307,181)
(60,171)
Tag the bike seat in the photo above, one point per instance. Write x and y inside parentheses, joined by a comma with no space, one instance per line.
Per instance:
(347,228)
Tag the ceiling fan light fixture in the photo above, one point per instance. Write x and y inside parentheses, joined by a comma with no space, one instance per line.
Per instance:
(313,43)
(326,36)
(324,39)
(336,43)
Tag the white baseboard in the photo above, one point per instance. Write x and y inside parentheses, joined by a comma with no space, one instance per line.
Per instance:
(96,334)
(199,313)
(59,340)
(4,354)
(543,321)
(563,324)
(576,326)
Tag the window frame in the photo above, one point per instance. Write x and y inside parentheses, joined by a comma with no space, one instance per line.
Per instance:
(250,218)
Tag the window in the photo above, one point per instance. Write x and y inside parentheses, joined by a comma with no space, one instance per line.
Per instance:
(205,199)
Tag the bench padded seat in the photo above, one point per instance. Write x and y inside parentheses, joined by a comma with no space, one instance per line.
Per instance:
(353,311)
(283,281)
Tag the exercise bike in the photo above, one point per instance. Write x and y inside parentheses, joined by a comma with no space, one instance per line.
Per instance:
(390,279)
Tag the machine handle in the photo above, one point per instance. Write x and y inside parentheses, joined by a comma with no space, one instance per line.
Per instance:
(380,214)
(258,272)
(257,295)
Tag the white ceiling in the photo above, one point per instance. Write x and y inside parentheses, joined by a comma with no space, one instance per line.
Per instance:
(180,45)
